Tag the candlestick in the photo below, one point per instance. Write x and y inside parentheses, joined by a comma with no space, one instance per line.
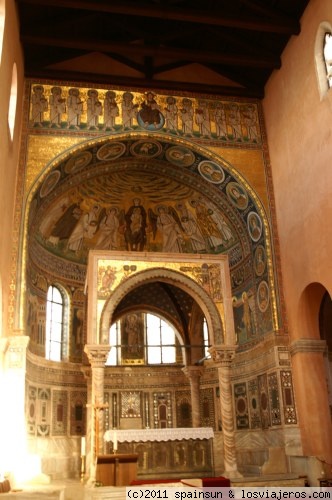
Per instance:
(83,453)
(115,442)
(83,447)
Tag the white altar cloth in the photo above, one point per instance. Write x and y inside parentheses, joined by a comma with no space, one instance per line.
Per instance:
(169,434)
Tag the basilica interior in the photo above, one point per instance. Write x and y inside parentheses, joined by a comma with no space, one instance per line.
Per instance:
(165,274)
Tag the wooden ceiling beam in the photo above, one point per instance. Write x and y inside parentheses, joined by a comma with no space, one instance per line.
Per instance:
(118,81)
(281,26)
(238,59)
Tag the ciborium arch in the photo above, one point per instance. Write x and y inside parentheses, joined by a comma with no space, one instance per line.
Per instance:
(206,278)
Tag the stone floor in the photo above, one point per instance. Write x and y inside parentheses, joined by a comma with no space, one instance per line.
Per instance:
(76,490)
(56,490)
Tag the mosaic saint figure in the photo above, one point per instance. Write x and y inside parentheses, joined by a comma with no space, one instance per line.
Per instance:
(220,120)
(74,108)
(111,110)
(234,121)
(133,333)
(237,195)
(135,231)
(94,109)
(248,319)
(53,215)
(171,114)
(208,226)
(150,110)
(85,228)
(191,229)
(249,120)
(65,225)
(108,230)
(254,226)
(38,105)
(129,110)
(187,116)
(202,119)
(57,107)
(169,226)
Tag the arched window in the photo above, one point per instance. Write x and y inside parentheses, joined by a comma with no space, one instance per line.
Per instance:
(144,338)
(325,330)
(206,339)
(323,57)
(12,102)
(1,307)
(55,321)
(327,51)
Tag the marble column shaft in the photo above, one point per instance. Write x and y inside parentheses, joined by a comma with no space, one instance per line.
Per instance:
(194,374)
(223,356)
(97,355)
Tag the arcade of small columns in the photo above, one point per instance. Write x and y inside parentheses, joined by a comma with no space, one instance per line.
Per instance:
(223,355)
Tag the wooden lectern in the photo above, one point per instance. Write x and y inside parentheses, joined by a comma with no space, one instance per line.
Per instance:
(116,469)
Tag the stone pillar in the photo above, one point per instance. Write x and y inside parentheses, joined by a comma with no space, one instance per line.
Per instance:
(85,467)
(223,356)
(13,438)
(194,374)
(311,393)
(97,355)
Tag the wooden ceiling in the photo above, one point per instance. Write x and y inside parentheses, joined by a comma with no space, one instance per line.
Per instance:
(227,47)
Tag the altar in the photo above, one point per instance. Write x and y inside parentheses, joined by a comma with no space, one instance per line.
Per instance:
(166,452)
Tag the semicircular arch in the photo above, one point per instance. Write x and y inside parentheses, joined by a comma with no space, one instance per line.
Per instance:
(214,187)
(217,330)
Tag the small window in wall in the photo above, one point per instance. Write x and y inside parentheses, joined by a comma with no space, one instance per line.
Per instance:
(54,324)
(12,102)
(206,339)
(325,330)
(327,51)
(1,307)
(323,57)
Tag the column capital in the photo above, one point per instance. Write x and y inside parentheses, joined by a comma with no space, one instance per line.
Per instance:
(193,371)
(14,351)
(97,354)
(3,344)
(223,355)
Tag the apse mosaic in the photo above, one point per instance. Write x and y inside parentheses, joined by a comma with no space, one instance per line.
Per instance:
(95,110)
(151,194)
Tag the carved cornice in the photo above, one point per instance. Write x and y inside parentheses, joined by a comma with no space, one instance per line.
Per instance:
(308,346)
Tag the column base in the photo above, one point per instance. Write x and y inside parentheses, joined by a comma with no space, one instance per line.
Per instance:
(232,474)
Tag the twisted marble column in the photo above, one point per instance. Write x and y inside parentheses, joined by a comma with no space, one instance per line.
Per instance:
(223,357)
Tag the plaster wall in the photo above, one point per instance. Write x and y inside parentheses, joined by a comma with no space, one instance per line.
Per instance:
(299,127)
(9,151)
